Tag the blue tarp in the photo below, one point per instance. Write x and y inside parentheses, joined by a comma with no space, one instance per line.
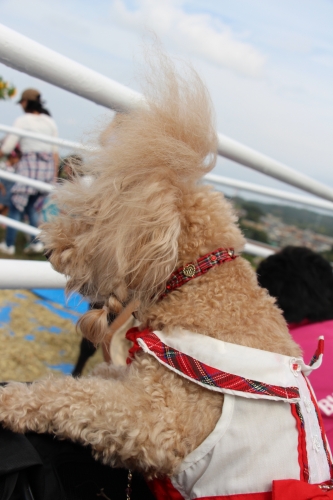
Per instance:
(69,308)
(74,302)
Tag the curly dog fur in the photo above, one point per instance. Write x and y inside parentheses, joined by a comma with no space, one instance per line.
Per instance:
(145,214)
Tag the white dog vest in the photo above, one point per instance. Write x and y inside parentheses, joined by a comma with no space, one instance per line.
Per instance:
(270,427)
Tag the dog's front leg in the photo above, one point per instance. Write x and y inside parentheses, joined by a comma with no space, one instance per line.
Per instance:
(92,411)
(51,405)
(140,420)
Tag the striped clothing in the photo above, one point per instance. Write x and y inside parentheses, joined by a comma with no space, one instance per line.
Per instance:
(38,166)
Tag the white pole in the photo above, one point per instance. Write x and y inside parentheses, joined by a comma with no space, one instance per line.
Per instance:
(27,274)
(21,179)
(258,250)
(25,228)
(20,226)
(23,54)
(216,179)
(248,157)
(44,138)
(266,191)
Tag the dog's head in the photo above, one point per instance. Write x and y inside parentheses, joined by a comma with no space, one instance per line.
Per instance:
(144,211)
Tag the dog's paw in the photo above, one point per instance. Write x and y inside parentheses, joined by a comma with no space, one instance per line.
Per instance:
(18,410)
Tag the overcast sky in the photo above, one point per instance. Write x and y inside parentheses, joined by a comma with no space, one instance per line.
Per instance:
(268,65)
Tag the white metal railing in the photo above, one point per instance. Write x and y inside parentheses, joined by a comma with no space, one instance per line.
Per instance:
(27,55)
(270,192)
(16,274)
(24,54)
(250,248)
(258,250)
(21,179)
(248,157)
(20,226)
(215,179)
(44,138)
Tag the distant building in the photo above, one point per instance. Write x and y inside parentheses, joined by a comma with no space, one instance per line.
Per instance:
(282,235)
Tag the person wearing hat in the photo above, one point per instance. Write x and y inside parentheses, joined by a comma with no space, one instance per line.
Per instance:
(39,161)
(29,95)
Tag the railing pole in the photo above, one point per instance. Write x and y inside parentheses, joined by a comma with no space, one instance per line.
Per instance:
(20,226)
(20,179)
(270,192)
(27,274)
(24,54)
(44,138)
(248,157)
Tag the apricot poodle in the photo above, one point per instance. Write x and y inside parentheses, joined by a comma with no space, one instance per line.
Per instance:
(148,229)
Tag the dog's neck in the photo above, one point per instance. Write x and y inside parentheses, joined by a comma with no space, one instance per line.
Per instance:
(226,304)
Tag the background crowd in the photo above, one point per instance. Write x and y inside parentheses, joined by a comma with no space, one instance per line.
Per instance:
(31,158)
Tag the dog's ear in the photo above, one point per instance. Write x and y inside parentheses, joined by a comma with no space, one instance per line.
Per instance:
(140,245)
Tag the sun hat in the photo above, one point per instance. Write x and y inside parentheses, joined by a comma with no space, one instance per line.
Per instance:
(29,95)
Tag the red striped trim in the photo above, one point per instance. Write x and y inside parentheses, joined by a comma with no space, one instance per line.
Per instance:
(321,425)
(301,447)
(319,351)
(205,374)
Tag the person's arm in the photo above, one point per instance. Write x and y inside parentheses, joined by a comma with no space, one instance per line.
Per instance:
(11,140)
(9,144)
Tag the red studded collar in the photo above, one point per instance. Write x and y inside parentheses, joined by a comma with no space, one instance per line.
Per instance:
(196,269)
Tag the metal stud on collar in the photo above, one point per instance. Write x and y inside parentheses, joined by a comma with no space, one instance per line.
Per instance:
(189,270)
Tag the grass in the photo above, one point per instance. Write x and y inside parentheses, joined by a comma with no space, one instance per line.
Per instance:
(36,341)
(21,243)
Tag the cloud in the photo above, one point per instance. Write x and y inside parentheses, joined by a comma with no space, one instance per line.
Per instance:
(197,34)
(286,115)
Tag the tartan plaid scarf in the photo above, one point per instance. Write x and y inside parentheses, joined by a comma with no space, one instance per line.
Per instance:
(202,373)
(196,269)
